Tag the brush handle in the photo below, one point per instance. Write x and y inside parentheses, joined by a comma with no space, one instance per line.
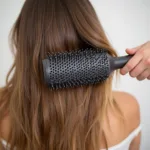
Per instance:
(118,62)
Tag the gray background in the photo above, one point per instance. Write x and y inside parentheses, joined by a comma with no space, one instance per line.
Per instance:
(127,24)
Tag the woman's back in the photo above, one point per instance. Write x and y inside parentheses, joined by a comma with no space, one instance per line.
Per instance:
(118,137)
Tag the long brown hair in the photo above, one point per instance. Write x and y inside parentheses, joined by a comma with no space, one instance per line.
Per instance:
(67,119)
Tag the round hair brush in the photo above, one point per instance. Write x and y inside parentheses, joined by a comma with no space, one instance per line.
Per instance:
(80,67)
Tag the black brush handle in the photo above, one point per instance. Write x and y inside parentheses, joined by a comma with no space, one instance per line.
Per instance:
(118,62)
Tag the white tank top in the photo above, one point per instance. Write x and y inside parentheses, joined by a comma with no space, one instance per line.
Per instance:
(124,145)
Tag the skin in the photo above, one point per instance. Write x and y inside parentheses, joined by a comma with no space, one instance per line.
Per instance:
(138,66)
(130,107)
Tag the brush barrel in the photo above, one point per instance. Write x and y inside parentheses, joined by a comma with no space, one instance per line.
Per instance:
(76,68)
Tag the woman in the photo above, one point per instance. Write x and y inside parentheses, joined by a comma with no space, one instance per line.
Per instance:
(85,118)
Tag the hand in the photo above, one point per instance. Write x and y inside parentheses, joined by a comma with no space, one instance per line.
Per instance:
(139,65)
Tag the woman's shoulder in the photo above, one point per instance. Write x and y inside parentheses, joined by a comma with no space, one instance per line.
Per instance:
(130,108)
(126,99)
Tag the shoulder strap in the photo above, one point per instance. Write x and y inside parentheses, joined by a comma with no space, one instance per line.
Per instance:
(137,130)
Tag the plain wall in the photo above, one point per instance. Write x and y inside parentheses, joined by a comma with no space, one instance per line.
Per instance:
(127,24)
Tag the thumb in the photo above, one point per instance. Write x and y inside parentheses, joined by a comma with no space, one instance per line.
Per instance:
(131,51)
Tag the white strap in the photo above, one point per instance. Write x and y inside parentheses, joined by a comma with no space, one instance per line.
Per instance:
(132,135)
(5,143)
(137,130)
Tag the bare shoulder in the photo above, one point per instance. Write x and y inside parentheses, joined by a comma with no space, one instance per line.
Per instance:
(125,99)
(130,107)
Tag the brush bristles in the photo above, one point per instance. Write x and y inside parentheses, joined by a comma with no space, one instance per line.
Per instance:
(77,68)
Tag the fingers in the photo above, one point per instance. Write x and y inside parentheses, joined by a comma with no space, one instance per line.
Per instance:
(145,74)
(142,70)
(138,69)
(131,64)
(139,65)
